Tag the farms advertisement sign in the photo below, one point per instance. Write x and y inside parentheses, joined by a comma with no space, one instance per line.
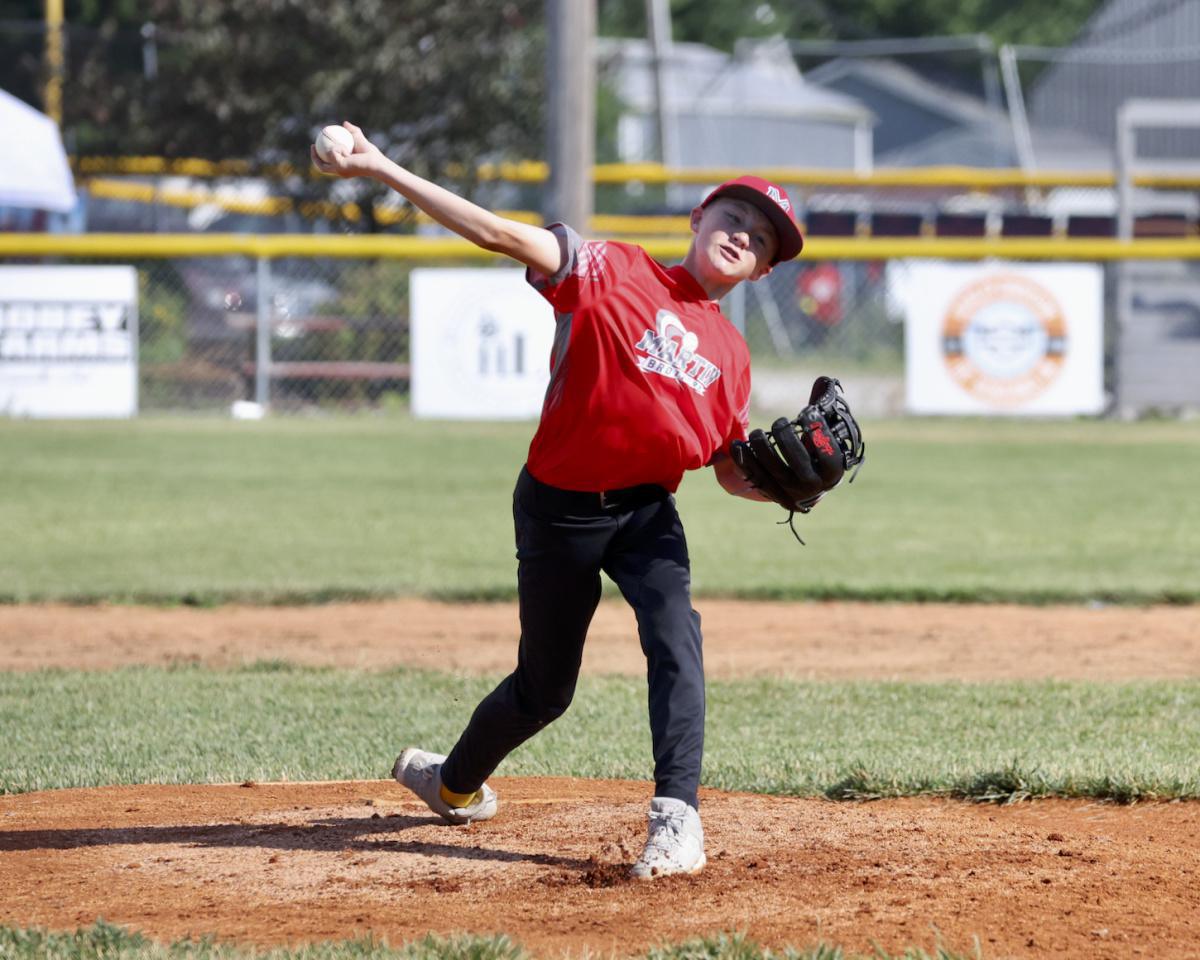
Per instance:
(68,341)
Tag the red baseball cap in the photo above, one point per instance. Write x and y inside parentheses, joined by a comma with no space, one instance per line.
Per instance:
(772,200)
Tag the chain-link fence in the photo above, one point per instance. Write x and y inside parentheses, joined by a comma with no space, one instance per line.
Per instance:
(339,328)
(302,334)
(309,332)
(1072,95)
(1156,347)
(294,333)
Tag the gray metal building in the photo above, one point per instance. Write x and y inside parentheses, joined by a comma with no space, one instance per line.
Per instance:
(748,109)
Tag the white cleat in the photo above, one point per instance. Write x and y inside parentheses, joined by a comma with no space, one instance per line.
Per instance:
(675,843)
(421,772)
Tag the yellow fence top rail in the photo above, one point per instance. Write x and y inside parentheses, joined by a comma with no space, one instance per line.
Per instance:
(149,245)
(534,171)
(134,192)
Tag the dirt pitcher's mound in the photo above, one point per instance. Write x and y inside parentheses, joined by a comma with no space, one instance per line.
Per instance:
(281,863)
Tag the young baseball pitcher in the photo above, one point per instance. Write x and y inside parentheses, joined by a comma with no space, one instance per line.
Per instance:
(648,380)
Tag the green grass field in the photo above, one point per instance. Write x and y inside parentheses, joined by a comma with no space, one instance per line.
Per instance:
(998,741)
(104,941)
(168,511)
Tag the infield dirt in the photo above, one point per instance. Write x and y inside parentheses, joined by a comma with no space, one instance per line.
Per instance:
(822,641)
(288,863)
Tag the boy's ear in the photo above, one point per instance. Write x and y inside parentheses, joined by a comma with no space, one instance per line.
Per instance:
(697,213)
(762,271)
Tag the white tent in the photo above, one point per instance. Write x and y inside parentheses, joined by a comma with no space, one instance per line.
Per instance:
(34,173)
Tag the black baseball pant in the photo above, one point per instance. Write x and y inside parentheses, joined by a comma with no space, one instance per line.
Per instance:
(564,540)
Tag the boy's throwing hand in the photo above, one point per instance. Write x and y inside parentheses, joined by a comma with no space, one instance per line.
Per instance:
(363,160)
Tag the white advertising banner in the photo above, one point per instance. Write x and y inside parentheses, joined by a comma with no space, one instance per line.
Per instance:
(1002,338)
(480,344)
(68,341)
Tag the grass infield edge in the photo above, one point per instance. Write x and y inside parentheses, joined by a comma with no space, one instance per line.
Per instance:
(107,941)
(796,593)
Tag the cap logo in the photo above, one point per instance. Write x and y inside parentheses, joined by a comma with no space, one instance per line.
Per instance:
(775,194)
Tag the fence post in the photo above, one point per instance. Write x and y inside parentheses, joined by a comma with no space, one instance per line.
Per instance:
(734,306)
(1022,139)
(773,318)
(262,349)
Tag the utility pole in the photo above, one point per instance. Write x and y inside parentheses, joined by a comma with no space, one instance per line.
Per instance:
(54,60)
(571,96)
(658,29)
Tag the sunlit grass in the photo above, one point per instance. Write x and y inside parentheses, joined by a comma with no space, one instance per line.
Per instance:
(103,941)
(994,741)
(300,510)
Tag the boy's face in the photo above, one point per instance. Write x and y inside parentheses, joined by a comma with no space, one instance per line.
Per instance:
(734,239)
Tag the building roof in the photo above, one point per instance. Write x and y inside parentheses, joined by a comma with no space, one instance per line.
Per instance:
(921,122)
(901,81)
(1128,49)
(967,146)
(948,126)
(759,79)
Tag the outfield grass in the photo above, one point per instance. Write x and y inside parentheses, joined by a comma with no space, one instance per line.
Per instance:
(999,741)
(202,511)
(103,941)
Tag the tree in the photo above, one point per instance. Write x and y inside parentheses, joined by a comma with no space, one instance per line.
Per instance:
(452,82)
(719,23)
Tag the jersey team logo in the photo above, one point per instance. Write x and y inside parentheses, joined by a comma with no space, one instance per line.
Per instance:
(1004,339)
(671,352)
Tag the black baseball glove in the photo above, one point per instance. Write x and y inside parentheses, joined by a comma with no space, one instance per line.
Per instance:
(797,461)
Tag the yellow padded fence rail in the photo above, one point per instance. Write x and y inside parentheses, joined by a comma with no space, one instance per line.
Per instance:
(975,178)
(532,171)
(108,189)
(385,214)
(117,246)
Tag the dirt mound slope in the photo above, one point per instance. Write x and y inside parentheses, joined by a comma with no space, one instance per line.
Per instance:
(287,863)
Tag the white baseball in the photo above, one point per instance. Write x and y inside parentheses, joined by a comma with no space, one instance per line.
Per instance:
(334,139)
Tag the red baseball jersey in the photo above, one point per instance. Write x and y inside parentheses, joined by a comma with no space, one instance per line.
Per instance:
(647,376)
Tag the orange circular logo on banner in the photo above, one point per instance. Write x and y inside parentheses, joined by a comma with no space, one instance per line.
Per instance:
(1004,339)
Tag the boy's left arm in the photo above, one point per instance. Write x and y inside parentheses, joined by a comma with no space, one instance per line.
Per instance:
(733,482)
(728,475)
(797,461)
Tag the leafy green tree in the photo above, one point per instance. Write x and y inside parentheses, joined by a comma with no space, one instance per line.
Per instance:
(452,82)
(719,23)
